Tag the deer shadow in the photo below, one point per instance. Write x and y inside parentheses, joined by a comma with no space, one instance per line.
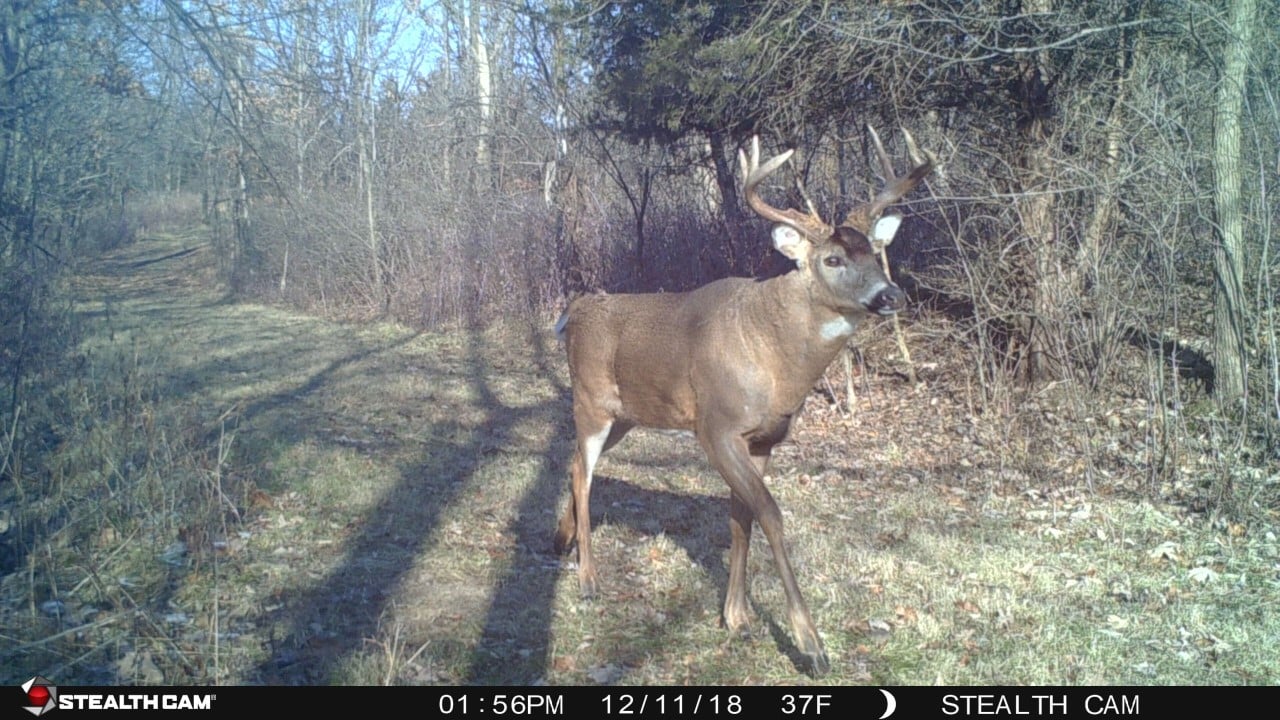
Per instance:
(698,523)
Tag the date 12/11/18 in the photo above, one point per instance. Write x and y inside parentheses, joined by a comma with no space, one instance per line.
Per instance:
(707,704)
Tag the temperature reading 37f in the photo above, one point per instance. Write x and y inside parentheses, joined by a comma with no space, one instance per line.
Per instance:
(805,704)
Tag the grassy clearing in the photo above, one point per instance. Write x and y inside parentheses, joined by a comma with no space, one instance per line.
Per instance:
(241,494)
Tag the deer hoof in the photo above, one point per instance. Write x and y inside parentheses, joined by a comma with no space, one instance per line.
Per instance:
(811,647)
(587,586)
(819,663)
(736,621)
(741,629)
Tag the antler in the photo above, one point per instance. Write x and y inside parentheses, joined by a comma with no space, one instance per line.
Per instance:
(895,186)
(808,224)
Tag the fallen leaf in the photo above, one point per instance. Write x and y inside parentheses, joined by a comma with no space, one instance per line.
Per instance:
(1203,574)
(879,629)
(1167,550)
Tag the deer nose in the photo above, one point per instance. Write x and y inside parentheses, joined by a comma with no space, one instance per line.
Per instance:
(888,301)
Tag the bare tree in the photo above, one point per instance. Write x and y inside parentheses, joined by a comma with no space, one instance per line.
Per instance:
(1230,353)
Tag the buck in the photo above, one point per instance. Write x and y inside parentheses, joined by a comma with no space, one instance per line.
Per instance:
(732,362)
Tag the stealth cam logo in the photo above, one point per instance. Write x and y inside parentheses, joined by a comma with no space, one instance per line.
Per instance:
(42,695)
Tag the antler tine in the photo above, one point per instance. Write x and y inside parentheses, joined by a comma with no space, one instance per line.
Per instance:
(808,204)
(753,172)
(810,225)
(748,165)
(886,164)
(895,186)
(912,149)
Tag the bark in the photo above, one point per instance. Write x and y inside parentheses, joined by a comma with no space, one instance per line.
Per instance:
(1038,208)
(1230,356)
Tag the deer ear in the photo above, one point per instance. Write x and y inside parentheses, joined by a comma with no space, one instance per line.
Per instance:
(791,243)
(884,230)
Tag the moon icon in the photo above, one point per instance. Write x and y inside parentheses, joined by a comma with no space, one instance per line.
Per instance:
(890,704)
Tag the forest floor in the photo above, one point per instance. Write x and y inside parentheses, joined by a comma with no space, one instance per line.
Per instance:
(242,493)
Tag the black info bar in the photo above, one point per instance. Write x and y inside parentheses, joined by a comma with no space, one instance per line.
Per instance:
(846,703)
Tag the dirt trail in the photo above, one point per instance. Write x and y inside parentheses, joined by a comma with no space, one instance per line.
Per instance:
(397,489)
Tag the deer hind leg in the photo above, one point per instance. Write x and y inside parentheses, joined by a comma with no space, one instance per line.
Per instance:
(742,472)
(575,524)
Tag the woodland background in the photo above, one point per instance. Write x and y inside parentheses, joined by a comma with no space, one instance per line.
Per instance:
(1099,229)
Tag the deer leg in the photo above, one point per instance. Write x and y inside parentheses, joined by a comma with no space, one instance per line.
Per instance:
(567,530)
(730,455)
(740,523)
(735,597)
(575,524)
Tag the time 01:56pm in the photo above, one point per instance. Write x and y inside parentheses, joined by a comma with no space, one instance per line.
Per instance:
(500,704)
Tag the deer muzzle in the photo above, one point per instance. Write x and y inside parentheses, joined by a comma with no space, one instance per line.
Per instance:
(888,301)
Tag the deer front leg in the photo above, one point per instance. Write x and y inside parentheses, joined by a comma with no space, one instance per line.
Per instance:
(730,455)
(735,598)
(740,523)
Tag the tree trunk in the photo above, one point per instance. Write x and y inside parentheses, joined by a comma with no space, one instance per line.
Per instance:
(728,182)
(705,176)
(1092,249)
(1038,206)
(1038,209)
(484,90)
(366,145)
(1230,357)
(242,253)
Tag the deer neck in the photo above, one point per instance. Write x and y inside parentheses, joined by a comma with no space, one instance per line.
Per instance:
(809,334)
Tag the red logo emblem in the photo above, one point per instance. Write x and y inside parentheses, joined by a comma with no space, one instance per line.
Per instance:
(42,695)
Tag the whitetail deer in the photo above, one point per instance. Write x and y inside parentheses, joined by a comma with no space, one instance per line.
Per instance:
(732,361)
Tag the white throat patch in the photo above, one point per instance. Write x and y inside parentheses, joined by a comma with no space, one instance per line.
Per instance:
(836,329)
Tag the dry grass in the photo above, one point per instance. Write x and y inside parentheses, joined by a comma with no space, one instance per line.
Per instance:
(243,494)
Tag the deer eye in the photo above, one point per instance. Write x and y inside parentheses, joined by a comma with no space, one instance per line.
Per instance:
(833,261)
